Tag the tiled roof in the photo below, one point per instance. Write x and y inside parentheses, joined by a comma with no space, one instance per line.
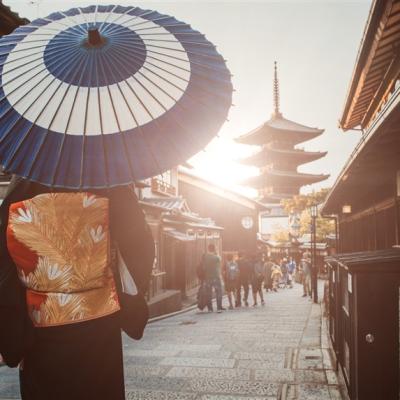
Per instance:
(168,203)
(282,128)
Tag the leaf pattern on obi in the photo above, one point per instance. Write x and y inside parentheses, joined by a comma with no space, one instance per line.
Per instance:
(63,308)
(47,276)
(59,231)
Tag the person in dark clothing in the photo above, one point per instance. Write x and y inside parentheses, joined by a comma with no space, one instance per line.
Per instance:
(257,278)
(245,271)
(291,269)
(268,271)
(284,271)
(212,277)
(66,342)
(231,278)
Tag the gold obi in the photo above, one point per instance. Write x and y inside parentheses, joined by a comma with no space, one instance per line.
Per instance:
(60,244)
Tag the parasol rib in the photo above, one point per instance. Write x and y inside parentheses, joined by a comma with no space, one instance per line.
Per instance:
(119,17)
(115,28)
(106,18)
(160,104)
(105,155)
(137,123)
(163,89)
(119,127)
(74,25)
(57,166)
(52,120)
(13,155)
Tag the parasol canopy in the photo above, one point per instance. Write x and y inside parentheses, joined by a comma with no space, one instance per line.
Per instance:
(106,95)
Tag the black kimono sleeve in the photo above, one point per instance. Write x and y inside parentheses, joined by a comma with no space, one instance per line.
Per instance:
(135,242)
(16,330)
(132,234)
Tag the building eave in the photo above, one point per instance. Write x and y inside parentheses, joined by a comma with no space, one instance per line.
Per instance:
(366,89)
(279,128)
(286,179)
(332,202)
(270,198)
(298,156)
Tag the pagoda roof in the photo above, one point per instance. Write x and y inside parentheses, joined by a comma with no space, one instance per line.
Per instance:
(280,129)
(283,178)
(275,197)
(296,156)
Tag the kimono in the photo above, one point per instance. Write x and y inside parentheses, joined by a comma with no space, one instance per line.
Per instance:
(61,302)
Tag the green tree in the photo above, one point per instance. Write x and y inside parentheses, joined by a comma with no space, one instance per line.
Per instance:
(280,234)
(301,204)
(324,226)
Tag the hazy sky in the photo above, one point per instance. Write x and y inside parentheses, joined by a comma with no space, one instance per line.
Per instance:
(315,44)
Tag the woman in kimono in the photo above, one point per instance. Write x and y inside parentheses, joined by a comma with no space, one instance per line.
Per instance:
(62,305)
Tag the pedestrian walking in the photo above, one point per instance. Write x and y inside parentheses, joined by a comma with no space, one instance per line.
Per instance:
(245,271)
(74,269)
(231,280)
(257,279)
(284,271)
(305,265)
(202,299)
(268,280)
(276,276)
(212,277)
(291,269)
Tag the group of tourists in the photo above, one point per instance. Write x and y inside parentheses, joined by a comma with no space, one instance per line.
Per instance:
(244,272)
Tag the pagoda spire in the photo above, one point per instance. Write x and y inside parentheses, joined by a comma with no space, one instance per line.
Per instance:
(277,113)
(278,158)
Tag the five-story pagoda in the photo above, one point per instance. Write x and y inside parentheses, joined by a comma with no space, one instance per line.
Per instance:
(278,158)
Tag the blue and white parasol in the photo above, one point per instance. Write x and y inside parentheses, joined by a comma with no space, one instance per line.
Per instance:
(107,95)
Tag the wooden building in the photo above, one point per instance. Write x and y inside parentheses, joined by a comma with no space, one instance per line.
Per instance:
(181,237)
(364,277)
(237,214)
(366,194)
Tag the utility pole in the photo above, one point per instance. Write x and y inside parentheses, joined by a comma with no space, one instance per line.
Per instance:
(314,268)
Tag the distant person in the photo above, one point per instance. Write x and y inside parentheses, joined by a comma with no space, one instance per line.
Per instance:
(257,279)
(231,279)
(307,256)
(212,277)
(276,275)
(305,265)
(202,293)
(284,270)
(268,280)
(245,270)
(291,269)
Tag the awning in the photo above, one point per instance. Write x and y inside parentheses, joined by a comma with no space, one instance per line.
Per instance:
(204,226)
(318,246)
(183,237)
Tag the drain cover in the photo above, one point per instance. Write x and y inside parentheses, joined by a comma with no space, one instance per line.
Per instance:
(312,357)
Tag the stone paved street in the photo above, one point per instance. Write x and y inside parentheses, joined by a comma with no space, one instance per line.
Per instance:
(278,351)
